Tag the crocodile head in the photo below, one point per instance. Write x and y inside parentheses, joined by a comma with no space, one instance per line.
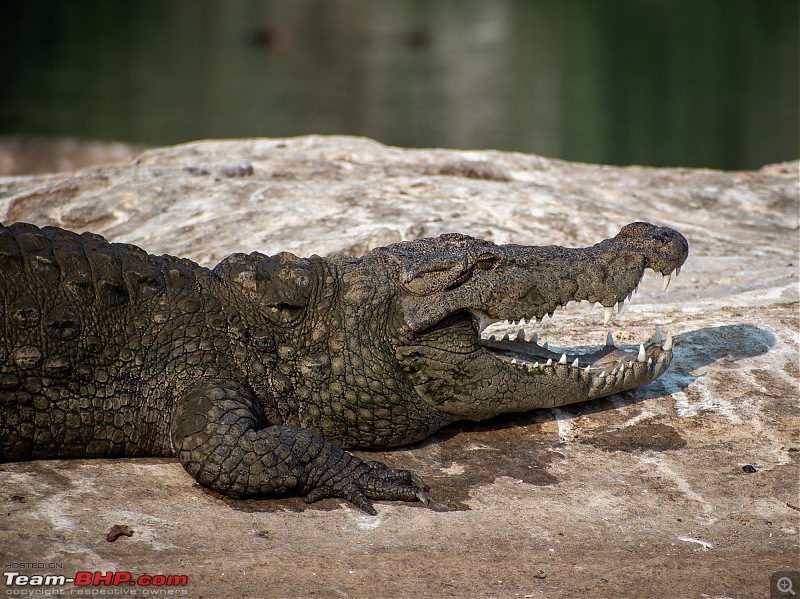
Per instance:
(452,287)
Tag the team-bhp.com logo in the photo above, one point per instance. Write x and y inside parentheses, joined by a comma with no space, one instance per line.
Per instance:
(88,583)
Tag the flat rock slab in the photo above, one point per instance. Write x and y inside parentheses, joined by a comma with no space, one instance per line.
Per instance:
(685,488)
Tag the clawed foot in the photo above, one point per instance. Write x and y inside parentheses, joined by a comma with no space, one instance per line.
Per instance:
(366,481)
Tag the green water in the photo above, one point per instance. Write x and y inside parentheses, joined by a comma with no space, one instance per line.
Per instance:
(710,83)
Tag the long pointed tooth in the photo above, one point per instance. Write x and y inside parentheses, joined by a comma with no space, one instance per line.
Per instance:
(677,271)
(534,338)
(642,355)
(609,312)
(521,335)
(603,374)
(563,359)
(657,335)
(576,363)
(505,337)
(668,343)
(549,362)
(620,305)
(609,339)
(666,281)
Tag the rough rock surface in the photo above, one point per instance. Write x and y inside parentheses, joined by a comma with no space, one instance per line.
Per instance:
(642,494)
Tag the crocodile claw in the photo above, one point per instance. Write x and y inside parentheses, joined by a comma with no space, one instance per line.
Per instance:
(369,481)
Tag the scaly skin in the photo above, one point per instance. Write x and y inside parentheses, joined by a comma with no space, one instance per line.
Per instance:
(255,373)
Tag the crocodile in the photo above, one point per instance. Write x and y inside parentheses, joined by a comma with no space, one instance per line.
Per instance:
(260,373)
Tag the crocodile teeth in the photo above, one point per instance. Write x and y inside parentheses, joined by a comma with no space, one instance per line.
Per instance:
(668,343)
(576,363)
(642,355)
(609,312)
(505,337)
(534,338)
(666,280)
(677,271)
(521,335)
(620,305)
(563,359)
(657,335)
(549,362)
(609,339)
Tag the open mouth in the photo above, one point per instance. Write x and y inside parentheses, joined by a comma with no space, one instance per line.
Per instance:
(605,368)
(525,351)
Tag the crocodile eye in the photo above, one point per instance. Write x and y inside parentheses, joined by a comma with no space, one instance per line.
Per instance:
(486,263)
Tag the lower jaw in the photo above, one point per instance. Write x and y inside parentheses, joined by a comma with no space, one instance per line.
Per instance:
(602,361)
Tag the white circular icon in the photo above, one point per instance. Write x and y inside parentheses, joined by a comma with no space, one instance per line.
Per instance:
(784,585)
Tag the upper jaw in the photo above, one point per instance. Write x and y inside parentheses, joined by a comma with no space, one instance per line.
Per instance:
(610,304)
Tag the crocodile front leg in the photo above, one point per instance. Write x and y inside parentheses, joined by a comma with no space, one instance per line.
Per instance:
(219,436)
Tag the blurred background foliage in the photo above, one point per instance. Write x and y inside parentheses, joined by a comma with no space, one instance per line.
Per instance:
(705,83)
